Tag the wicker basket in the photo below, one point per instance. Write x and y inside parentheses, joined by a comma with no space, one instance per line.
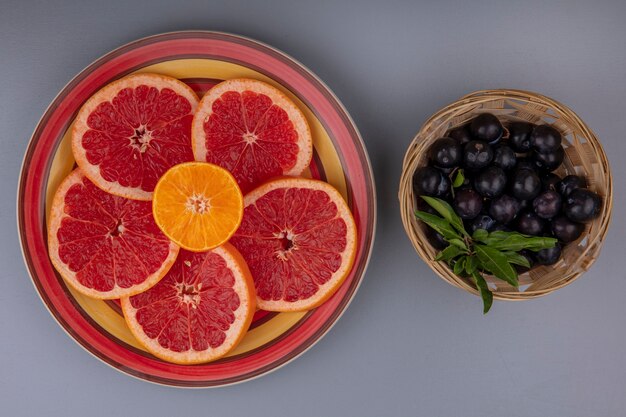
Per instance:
(583,156)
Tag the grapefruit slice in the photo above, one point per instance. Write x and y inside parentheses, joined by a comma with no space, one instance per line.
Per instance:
(132,131)
(198,205)
(103,245)
(253,130)
(199,311)
(299,240)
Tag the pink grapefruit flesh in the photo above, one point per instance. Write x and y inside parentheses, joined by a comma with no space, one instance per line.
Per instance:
(132,131)
(199,311)
(103,245)
(299,240)
(253,130)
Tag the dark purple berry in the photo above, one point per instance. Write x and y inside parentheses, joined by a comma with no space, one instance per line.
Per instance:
(548,256)
(547,204)
(566,230)
(525,185)
(504,157)
(430,181)
(582,205)
(491,182)
(477,155)
(545,139)
(529,223)
(570,183)
(519,136)
(467,203)
(504,209)
(549,161)
(461,134)
(486,127)
(446,153)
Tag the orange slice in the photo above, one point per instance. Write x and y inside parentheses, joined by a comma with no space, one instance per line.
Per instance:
(199,311)
(299,239)
(253,130)
(103,245)
(197,205)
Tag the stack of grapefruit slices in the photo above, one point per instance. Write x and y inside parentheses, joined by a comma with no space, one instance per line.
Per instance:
(191,212)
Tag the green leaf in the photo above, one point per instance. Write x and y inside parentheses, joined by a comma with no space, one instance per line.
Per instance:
(516,259)
(449,253)
(438,224)
(496,262)
(471,265)
(459,266)
(513,241)
(459,179)
(480,235)
(484,291)
(447,212)
(458,243)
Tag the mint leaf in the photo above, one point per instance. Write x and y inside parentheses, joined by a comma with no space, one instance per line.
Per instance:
(517,259)
(458,243)
(447,212)
(480,235)
(496,262)
(449,253)
(513,241)
(459,179)
(471,265)
(440,225)
(484,291)
(459,266)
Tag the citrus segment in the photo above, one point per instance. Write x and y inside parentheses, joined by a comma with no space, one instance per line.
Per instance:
(103,245)
(299,240)
(253,130)
(132,131)
(199,311)
(198,205)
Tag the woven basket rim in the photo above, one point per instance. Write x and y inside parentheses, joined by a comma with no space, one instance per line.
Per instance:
(467,104)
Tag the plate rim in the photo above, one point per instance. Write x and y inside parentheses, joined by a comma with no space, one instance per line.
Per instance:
(103,58)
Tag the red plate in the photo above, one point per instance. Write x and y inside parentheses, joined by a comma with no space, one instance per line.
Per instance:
(200,59)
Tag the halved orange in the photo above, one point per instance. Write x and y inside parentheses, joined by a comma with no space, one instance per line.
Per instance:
(198,205)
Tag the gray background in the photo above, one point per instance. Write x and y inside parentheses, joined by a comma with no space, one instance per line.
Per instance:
(409,344)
